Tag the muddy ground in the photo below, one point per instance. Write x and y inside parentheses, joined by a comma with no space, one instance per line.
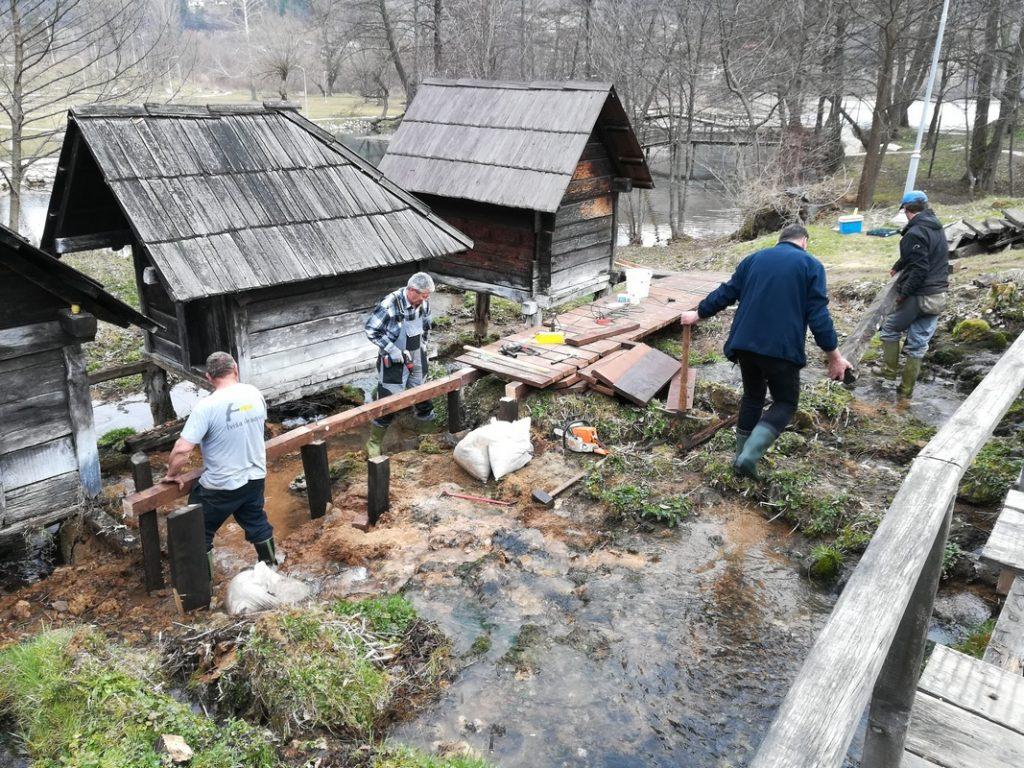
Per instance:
(661,607)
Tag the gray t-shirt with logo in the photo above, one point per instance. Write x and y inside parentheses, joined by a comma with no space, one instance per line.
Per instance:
(228,427)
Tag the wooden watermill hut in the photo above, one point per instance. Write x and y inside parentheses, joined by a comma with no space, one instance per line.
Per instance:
(531,171)
(48,454)
(252,230)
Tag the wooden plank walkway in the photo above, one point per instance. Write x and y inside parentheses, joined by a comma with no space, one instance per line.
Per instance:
(549,365)
(1005,546)
(967,714)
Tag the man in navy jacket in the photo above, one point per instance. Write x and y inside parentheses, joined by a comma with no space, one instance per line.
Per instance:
(781,292)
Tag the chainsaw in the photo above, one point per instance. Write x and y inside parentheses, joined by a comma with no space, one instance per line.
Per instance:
(580,437)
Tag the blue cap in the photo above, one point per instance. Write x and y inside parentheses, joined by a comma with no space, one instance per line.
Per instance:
(914,196)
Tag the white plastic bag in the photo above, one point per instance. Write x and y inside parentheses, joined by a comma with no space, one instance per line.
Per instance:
(497,448)
(261,588)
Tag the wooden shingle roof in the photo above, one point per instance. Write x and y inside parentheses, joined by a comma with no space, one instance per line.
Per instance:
(65,282)
(239,197)
(508,144)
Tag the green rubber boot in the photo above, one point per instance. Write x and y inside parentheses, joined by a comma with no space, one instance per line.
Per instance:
(266,552)
(760,440)
(890,360)
(375,444)
(741,440)
(911,370)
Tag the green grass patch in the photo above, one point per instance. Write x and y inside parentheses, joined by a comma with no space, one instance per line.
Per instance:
(826,562)
(977,641)
(406,757)
(114,439)
(993,472)
(387,616)
(77,701)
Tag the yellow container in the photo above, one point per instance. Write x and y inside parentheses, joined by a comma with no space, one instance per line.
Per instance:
(549,337)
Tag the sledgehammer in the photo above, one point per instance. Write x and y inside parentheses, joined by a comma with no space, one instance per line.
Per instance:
(547,498)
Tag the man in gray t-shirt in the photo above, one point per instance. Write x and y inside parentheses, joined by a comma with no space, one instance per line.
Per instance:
(228,428)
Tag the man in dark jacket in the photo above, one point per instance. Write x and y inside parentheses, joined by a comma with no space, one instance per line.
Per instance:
(923,269)
(781,292)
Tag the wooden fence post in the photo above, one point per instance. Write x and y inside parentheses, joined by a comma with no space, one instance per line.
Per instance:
(149,530)
(481,314)
(894,691)
(378,498)
(186,549)
(508,409)
(455,411)
(158,393)
(318,477)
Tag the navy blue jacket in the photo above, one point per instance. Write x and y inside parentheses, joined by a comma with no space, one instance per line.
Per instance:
(781,291)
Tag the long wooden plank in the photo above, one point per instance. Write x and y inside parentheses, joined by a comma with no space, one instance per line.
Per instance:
(1006,646)
(165,493)
(910,760)
(856,343)
(579,338)
(824,706)
(615,368)
(955,738)
(1005,544)
(976,686)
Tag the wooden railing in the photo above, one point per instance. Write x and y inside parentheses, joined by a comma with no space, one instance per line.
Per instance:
(870,650)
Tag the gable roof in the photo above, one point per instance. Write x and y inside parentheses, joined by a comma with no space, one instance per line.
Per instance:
(238,197)
(509,144)
(65,282)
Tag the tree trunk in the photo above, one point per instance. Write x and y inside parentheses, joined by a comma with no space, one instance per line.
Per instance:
(17,117)
(1009,104)
(874,149)
(983,89)
(396,57)
(933,127)
(437,37)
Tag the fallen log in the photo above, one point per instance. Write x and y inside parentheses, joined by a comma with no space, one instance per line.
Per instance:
(854,346)
(155,439)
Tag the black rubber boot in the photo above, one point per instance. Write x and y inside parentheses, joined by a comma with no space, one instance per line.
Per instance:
(267,552)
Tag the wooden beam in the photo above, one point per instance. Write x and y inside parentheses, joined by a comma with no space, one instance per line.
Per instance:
(80,412)
(149,530)
(119,371)
(684,370)
(378,494)
(508,409)
(116,239)
(318,477)
(455,411)
(856,343)
(165,493)
(186,549)
(1006,647)
(516,390)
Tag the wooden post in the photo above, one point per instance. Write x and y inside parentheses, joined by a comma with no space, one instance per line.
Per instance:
(158,394)
(80,412)
(508,409)
(318,477)
(481,314)
(893,695)
(149,530)
(186,549)
(684,370)
(378,498)
(455,411)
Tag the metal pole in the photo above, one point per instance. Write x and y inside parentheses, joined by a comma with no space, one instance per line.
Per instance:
(915,156)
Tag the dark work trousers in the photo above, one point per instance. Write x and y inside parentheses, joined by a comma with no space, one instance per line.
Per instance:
(245,503)
(763,374)
(393,378)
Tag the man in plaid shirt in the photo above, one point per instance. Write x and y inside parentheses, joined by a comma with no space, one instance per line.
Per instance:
(398,327)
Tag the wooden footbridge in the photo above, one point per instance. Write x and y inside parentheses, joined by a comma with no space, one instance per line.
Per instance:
(708,128)
(961,712)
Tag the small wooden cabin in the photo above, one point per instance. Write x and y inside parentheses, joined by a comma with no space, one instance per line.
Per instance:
(48,455)
(531,171)
(252,231)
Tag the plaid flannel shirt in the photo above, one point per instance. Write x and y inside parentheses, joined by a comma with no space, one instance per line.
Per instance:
(385,321)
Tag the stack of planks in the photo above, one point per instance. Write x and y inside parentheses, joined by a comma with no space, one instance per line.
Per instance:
(970,237)
(602,350)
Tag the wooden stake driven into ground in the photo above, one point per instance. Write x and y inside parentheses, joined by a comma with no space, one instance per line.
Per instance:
(317,469)
(186,549)
(684,370)
(165,493)
(149,531)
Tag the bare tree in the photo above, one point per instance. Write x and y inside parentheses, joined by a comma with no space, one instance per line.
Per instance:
(59,53)
(280,50)
(331,24)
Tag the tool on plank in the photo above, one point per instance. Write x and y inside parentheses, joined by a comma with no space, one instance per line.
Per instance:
(481,499)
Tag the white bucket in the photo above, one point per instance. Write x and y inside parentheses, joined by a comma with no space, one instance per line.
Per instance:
(638,283)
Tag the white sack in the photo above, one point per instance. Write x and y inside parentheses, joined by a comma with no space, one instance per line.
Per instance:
(261,588)
(513,451)
(499,448)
